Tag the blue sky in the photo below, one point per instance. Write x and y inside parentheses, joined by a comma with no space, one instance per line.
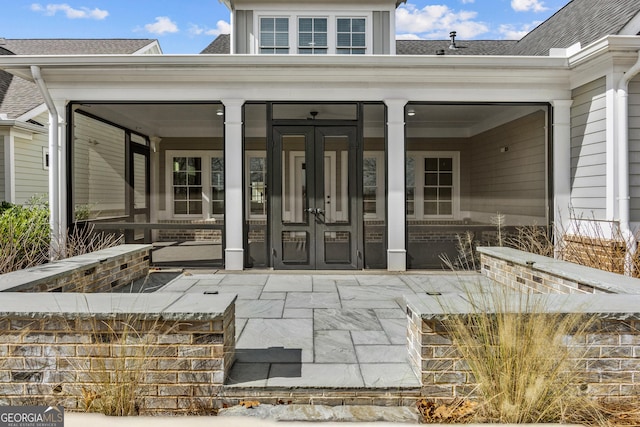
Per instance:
(188,26)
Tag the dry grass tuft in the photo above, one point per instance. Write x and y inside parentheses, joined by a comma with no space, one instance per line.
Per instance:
(518,355)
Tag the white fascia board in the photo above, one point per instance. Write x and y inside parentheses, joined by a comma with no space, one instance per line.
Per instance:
(34,112)
(152,48)
(600,57)
(22,126)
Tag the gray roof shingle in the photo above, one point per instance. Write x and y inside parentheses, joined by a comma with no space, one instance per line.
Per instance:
(18,96)
(464,47)
(220,46)
(75,46)
(583,21)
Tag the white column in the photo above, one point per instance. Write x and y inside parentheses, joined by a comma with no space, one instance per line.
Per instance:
(396,219)
(561,163)
(233,215)
(64,174)
(9,169)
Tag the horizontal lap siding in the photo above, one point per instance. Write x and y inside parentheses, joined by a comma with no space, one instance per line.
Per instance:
(98,164)
(32,179)
(634,147)
(2,169)
(588,150)
(511,182)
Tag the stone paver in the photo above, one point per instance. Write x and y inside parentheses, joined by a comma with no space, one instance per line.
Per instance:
(322,330)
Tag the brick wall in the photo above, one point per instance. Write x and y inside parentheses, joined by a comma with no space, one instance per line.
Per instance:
(175,367)
(191,234)
(517,277)
(100,271)
(610,357)
(608,255)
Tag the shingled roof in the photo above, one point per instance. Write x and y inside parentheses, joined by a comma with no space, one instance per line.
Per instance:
(221,46)
(18,96)
(583,21)
(463,47)
(75,46)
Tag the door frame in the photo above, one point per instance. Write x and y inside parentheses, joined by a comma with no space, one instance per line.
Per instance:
(314,153)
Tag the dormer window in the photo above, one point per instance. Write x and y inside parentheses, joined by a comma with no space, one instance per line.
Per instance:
(312,36)
(274,35)
(351,36)
(311,33)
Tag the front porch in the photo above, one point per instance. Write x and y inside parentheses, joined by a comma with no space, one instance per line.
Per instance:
(334,338)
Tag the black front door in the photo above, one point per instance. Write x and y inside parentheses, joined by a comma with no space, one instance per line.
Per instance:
(314,210)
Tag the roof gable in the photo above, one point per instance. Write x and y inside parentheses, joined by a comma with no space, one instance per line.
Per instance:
(580,21)
(76,46)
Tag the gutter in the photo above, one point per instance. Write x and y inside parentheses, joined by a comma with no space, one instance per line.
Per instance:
(623,163)
(54,173)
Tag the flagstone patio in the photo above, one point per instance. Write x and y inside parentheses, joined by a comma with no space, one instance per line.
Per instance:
(339,330)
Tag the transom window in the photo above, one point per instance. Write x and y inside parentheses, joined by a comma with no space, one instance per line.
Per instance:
(432,185)
(274,35)
(351,36)
(312,36)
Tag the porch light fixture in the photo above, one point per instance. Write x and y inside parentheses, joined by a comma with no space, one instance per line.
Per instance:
(411,113)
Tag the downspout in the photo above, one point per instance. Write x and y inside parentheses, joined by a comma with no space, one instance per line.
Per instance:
(54,187)
(623,164)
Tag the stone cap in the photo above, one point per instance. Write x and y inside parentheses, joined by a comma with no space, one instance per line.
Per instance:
(164,306)
(604,306)
(603,280)
(44,273)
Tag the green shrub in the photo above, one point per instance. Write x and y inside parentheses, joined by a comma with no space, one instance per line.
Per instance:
(24,235)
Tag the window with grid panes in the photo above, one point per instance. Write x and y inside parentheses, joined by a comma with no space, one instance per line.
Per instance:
(312,36)
(187,185)
(438,186)
(351,36)
(274,35)
(217,186)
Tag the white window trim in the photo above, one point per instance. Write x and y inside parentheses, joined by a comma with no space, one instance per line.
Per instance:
(206,156)
(292,39)
(380,181)
(419,157)
(332,29)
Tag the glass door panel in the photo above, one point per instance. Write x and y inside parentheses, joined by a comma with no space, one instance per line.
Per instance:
(314,179)
(138,196)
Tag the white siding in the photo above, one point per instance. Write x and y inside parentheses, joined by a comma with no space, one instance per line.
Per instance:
(634,148)
(2,195)
(32,179)
(588,150)
(99,166)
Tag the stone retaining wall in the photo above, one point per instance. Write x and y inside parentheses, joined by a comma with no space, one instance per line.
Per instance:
(525,271)
(99,271)
(172,351)
(609,353)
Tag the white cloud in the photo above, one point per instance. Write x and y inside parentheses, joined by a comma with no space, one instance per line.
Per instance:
(436,21)
(468,1)
(222,27)
(70,12)
(408,37)
(162,25)
(528,5)
(513,32)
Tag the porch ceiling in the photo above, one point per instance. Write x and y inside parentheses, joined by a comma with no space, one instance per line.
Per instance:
(193,120)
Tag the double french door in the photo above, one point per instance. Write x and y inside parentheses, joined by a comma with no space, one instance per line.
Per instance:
(314,200)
